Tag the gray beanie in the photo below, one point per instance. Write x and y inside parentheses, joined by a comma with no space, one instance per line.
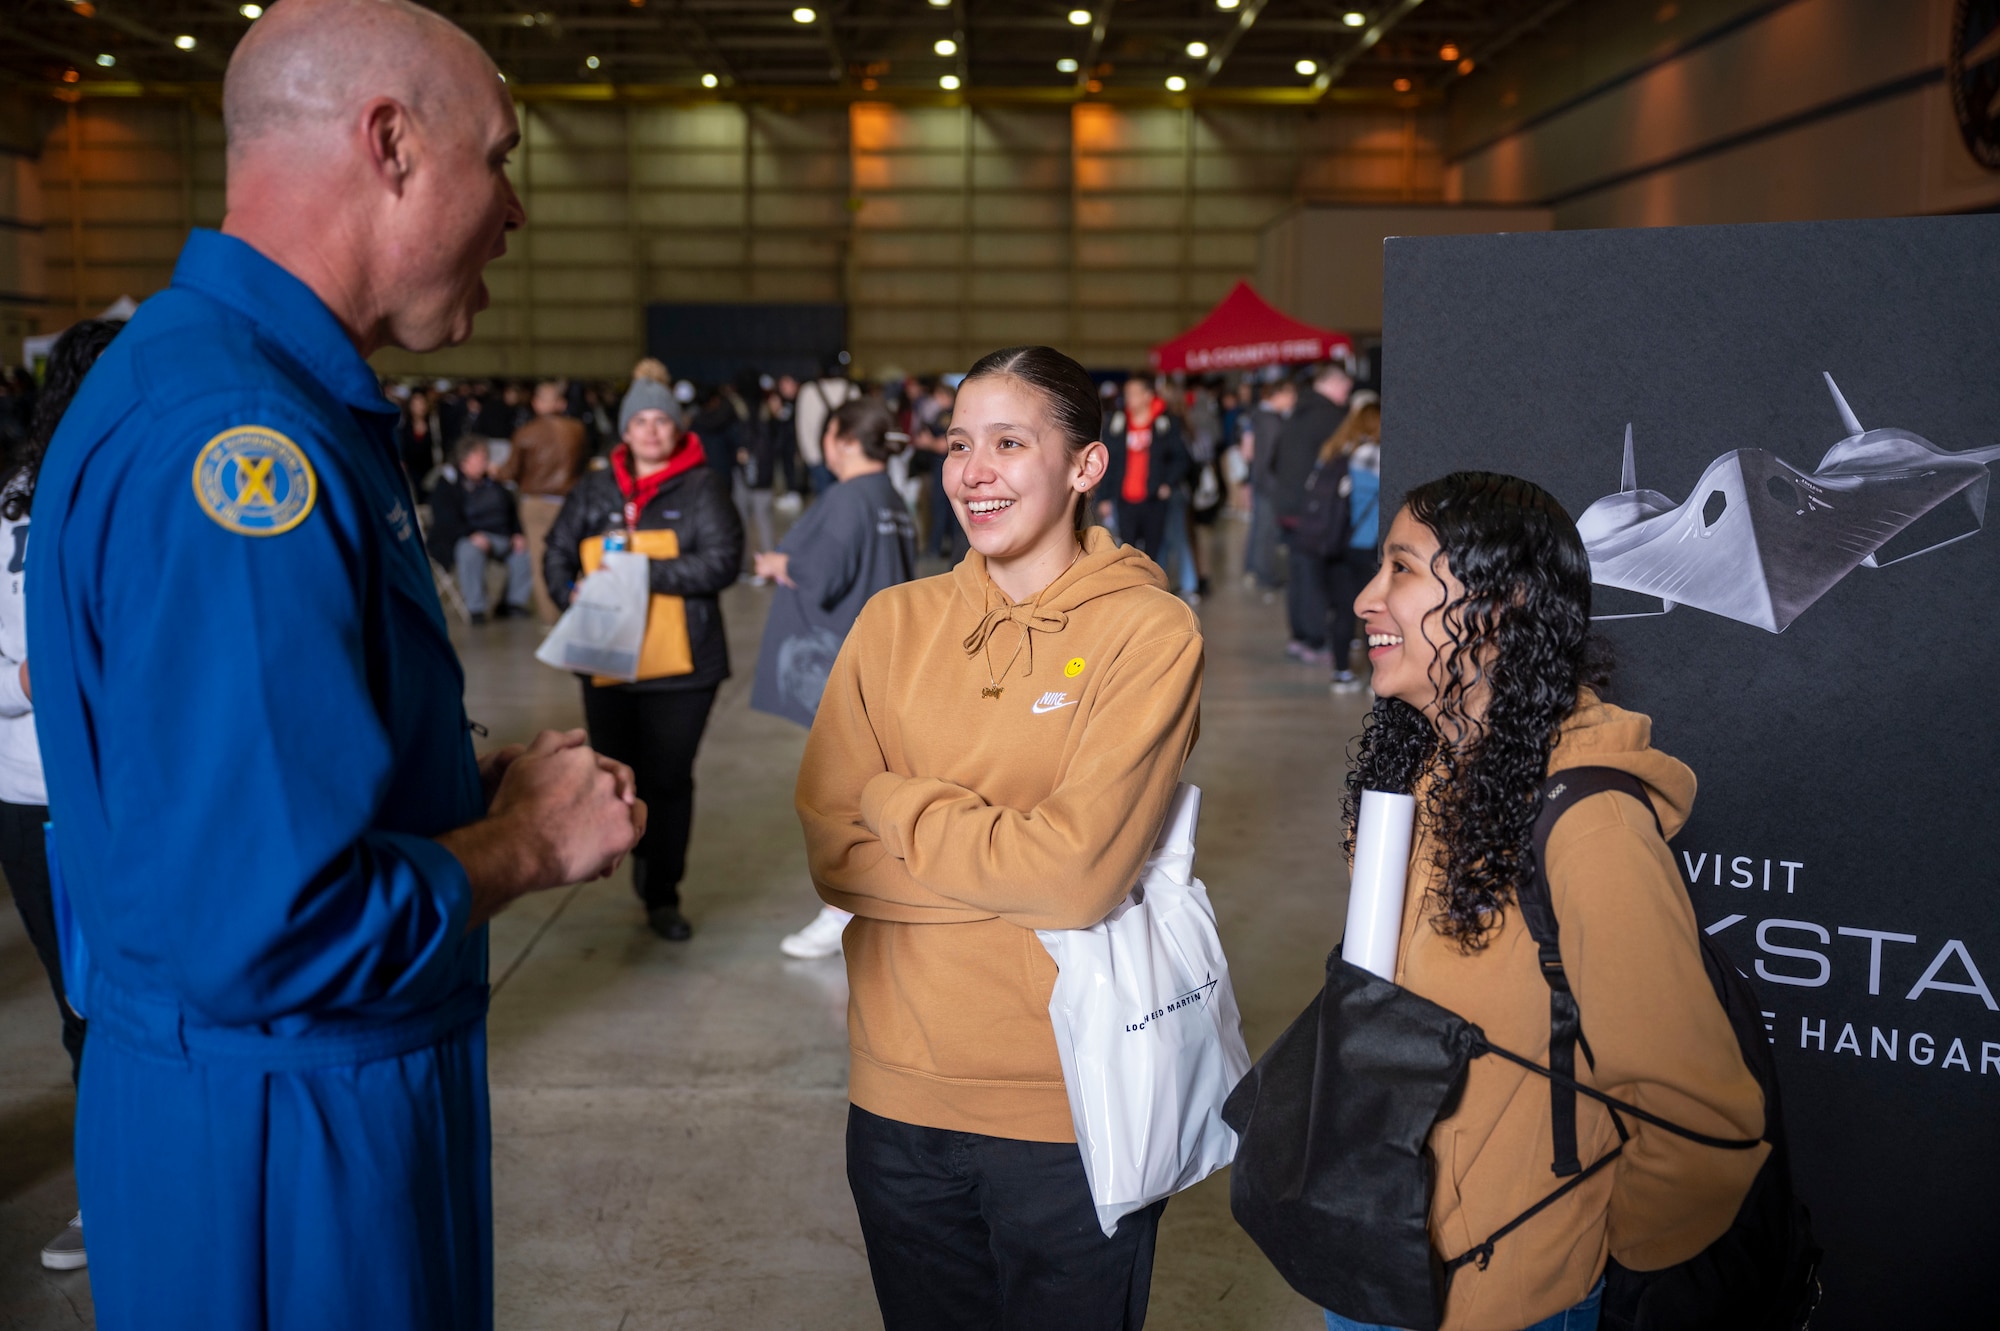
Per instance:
(645,395)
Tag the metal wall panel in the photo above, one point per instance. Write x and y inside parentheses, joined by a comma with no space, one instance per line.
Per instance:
(947,230)
(121,183)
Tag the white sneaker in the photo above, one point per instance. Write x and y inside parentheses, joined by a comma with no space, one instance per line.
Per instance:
(821,938)
(64,1252)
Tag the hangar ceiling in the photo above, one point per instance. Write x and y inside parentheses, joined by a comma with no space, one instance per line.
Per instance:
(1280,50)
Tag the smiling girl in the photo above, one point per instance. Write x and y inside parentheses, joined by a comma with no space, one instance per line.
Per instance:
(994,754)
(1478,632)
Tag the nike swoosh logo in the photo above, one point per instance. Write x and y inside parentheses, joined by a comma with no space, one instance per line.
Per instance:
(1041,707)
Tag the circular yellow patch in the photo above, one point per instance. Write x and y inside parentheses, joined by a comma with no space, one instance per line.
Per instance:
(1074,668)
(254,481)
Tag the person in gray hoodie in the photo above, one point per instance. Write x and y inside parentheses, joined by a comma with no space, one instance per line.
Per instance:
(856,539)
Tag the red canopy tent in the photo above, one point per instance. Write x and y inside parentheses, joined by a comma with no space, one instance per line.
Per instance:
(1242,331)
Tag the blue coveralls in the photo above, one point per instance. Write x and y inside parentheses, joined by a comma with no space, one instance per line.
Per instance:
(252,723)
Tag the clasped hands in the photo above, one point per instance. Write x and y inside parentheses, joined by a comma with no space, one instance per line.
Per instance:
(558,812)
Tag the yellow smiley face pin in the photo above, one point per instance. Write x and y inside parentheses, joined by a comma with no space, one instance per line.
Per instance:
(1074,668)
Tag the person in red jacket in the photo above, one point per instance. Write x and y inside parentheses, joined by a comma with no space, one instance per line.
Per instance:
(1149,457)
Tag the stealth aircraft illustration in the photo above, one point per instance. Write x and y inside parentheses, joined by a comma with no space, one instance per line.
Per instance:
(1759,540)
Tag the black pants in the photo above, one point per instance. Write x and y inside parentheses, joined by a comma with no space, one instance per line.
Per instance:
(1144,525)
(974,1233)
(24,859)
(1343,577)
(1305,597)
(655,733)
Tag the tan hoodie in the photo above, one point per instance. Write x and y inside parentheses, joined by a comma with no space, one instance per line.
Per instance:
(1630,947)
(980,769)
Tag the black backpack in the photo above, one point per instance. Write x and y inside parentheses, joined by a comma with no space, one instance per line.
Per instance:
(1322,527)
(1333,1176)
(1763,1273)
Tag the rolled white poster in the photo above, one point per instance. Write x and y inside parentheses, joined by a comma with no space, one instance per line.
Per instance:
(1381,871)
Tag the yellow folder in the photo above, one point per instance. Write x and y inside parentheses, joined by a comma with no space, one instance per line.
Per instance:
(665,649)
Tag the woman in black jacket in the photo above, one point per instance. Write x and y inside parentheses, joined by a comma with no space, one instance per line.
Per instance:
(1149,457)
(658,480)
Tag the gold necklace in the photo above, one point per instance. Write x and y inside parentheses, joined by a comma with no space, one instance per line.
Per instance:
(993,688)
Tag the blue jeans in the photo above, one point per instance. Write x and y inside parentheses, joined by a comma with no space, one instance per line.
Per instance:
(1176,555)
(1261,557)
(1580,1317)
(471,570)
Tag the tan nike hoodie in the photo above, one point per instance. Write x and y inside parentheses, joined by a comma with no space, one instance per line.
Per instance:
(980,769)
(1632,953)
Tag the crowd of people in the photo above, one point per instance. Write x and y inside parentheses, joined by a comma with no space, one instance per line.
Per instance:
(248,829)
(1185,454)
(525,475)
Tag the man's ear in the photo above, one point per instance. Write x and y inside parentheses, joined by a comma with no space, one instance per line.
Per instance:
(386,133)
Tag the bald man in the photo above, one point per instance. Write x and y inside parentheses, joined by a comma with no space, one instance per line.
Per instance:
(278,845)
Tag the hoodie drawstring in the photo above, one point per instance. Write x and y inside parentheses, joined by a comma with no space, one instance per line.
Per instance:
(1032,620)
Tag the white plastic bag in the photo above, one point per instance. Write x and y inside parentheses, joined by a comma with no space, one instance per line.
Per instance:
(601,631)
(1147,1027)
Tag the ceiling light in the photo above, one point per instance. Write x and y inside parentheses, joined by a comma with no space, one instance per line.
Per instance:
(70,75)
(709,80)
(1175,83)
(590,62)
(1465,65)
(185,42)
(1225,4)
(1197,49)
(251,11)
(940,4)
(949,83)
(1066,65)
(803,15)
(1080,17)
(1354,18)
(1307,68)
(1449,51)
(1402,85)
(945,46)
(107,61)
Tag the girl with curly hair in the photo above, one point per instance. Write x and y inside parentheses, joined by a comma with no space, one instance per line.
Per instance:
(1478,632)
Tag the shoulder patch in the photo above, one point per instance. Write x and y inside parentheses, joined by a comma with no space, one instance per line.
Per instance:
(254,481)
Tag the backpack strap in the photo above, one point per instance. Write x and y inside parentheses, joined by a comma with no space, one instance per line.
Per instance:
(1482,1253)
(1560,793)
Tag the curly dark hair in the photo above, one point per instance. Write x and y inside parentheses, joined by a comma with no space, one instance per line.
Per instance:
(1520,634)
(75,352)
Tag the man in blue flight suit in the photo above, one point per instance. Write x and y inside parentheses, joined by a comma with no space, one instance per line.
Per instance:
(279,845)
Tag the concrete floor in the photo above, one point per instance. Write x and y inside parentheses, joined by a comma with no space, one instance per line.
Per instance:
(668,1118)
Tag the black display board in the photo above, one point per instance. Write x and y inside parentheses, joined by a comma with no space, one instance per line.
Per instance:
(1844,844)
(711,343)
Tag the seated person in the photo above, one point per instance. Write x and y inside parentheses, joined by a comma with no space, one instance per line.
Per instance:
(473,520)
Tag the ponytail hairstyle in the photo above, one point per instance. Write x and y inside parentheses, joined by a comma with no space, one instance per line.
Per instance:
(74,353)
(1521,629)
(1067,390)
(867,422)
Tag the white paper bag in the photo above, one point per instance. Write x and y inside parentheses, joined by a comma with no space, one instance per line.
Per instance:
(1147,1027)
(601,631)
